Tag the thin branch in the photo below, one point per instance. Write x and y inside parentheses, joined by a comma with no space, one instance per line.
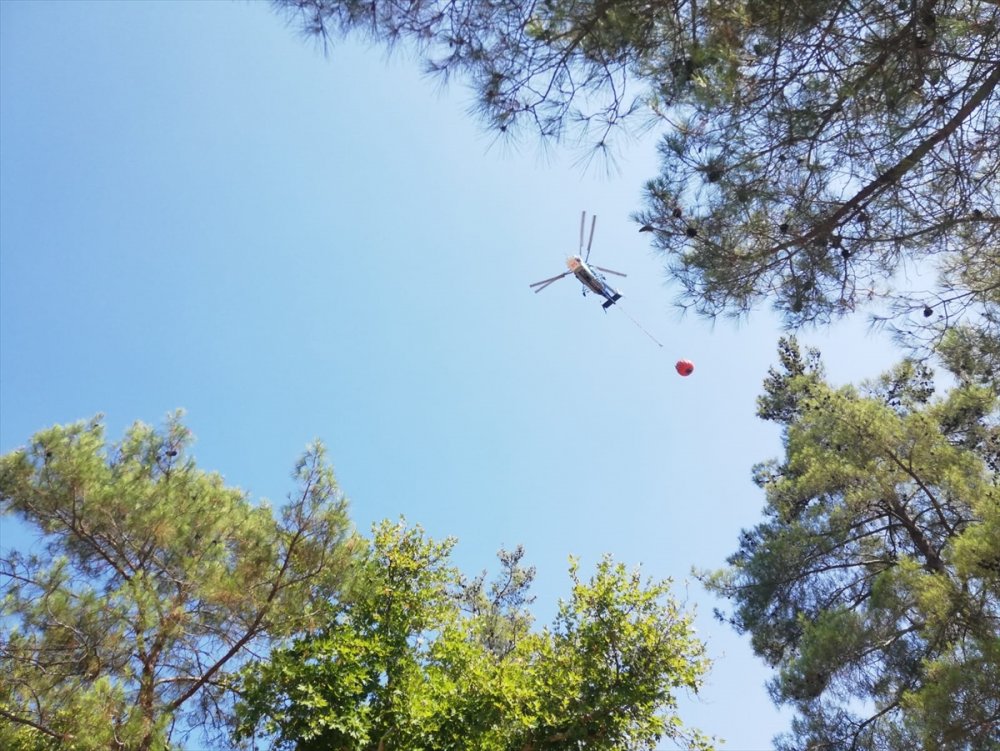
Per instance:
(35,725)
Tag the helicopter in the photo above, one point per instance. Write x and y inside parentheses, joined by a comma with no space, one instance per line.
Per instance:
(586,273)
(591,280)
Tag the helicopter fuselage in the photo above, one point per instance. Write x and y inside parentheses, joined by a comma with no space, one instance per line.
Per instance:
(592,280)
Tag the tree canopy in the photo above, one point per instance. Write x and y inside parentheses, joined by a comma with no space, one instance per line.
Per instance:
(421,658)
(873,584)
(154,582)
(815,154)
(160,601)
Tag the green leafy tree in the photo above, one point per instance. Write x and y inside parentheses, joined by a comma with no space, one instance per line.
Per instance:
(420,658)
(153,583)
(811,150)
(873,584)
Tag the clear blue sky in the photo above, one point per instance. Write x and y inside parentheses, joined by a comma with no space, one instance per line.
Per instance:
(199,210)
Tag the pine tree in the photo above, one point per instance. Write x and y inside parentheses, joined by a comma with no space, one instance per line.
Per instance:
(154,583)
(872,587)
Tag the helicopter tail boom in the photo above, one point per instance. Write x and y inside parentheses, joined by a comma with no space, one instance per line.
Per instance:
(617,296)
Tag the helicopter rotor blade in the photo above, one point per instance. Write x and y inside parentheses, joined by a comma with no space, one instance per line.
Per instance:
(593,221)
(609,271)
(546,282)
(583,221)
(544,286)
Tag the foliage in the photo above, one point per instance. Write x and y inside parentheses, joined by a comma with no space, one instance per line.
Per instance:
(420,658)
(873,584)
(154,583)
(823,148)
(812,150)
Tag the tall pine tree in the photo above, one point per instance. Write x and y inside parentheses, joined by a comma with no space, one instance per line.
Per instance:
(873,584)
(153,583)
